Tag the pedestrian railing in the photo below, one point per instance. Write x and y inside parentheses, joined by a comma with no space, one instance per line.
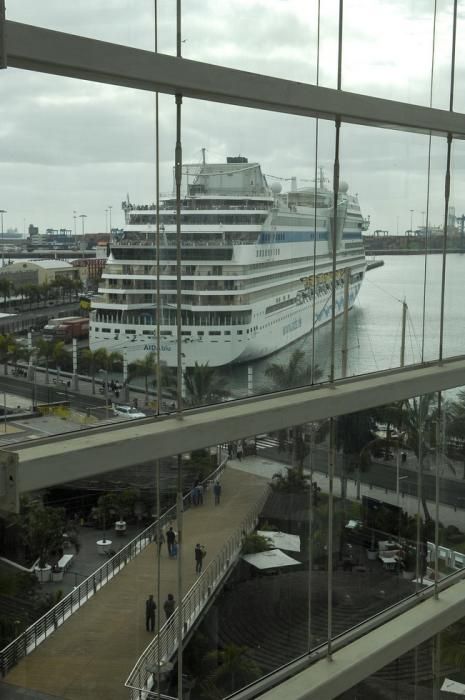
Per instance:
(46,625)
(163,647)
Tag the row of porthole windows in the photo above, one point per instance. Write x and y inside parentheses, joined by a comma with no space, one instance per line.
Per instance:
(199,333)
(268,252)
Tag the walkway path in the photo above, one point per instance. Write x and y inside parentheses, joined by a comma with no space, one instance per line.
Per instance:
(91,655)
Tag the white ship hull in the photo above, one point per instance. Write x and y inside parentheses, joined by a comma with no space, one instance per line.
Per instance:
(256,269)
(284,328)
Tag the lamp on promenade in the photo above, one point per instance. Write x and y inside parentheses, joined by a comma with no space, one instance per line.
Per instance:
(74,217)
(109,209)
(2,211)
(411,220)
(82,217)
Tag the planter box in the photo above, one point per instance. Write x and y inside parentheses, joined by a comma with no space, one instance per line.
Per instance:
(372,554)
(57,575)
(43,575)
(120,527)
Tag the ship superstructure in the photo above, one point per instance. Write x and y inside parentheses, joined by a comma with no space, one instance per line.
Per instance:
(256,267)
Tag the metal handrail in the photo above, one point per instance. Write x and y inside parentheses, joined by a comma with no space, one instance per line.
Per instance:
(163,646)
(42,628)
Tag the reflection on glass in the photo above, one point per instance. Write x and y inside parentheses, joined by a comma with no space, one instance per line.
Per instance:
(410,676)
(125,22)
(370,66)
(283,42)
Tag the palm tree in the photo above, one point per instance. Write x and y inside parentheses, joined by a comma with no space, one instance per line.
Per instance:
(7,348)
(60,355)
(290,376)
(6,287)
(354,433)
(144,368)
(203,385)
(455,428)
(293,374)
(419,417)
(91,360)
(234,670)
(44,350)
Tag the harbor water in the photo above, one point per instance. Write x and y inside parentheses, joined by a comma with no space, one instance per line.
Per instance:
(375,323)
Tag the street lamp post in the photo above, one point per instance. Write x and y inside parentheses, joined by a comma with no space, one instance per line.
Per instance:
(106,220)
(82,217)
(74,217)
(411,220)
(109,209)
(2,211)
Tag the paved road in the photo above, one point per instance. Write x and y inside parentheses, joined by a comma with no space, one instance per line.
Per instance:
(383,475)
(39,392)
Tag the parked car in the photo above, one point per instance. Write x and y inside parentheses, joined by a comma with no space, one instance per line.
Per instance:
(127,411)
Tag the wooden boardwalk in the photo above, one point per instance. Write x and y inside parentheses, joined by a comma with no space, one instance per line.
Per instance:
(91,655)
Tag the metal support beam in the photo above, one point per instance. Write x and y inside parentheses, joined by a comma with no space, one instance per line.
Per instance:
(58,53)
(2,35)
(58,459)
(357,661)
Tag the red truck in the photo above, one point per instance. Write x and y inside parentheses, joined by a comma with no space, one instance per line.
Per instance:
(75,328)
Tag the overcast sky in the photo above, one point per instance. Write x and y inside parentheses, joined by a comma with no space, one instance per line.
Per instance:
(71,146)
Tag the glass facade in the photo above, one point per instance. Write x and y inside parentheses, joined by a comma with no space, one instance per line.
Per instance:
(264,253)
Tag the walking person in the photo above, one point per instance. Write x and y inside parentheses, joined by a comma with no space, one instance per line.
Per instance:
(159,540)
(200,494)
(199,554)
(170,540)
(150,607)
(169,606)
(239,451)
(217,492)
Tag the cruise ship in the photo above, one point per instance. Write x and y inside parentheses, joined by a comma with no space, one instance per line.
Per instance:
(257,269)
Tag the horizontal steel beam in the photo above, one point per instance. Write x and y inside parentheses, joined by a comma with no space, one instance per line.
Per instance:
(58,53)
(63,458)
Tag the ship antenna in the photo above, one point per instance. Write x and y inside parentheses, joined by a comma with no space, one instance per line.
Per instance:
(203,156)
(322,179)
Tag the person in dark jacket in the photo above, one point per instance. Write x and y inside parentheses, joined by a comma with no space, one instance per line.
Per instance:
(217,492)
(199,553)
(150,607)
(170,540)
(169,606)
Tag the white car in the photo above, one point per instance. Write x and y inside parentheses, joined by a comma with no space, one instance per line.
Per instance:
(127,411)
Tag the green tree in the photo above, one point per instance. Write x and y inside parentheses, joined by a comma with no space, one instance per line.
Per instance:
(6,289)
(289,376)
(234,669)
(42,529)
(419,417)
(143,368)
(254,543)
(60,356)
(44,351)
(8,347)
(203,385)
(355,433)
(89,359)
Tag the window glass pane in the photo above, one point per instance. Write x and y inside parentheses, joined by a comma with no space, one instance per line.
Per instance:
(121,22)
(371,64)
(249,247)
(282,43)
(453,311)
(410,676)
(393,177)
